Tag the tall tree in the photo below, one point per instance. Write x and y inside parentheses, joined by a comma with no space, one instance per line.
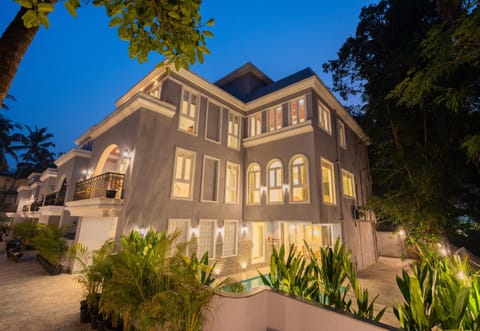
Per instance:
(420,173)
(7,140)
(173,29)
(36,146)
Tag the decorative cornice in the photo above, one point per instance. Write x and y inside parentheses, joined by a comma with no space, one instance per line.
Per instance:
(74,152)
(139,101)
(95,207)
(49,172)
(282,133)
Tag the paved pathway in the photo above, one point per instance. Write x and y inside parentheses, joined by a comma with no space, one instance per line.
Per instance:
(33,300)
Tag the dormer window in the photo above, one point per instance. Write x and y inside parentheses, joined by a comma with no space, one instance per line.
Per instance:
(187,120)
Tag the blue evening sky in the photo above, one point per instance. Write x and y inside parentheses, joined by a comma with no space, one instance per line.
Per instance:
(74,71)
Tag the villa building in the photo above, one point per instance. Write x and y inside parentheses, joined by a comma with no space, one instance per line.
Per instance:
(241,164)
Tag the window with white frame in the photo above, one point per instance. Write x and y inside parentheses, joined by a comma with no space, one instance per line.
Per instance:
(230,238)
(328,182)
(297,111)
(299,179)
(253,184)
(255,124)
(213,123)
(182,228)
(206,237)
(324,118)
(231,182)
(348,184)
(275,118)
(342,141)
(233,140)
(183,174)
(187,120)
(211,167)
(275,181)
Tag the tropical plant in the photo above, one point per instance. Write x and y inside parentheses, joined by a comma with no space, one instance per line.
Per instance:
(36,146)
(441,292)
(26,232)
(172,29)
(7,139)
(151,287)
(51,244)
(95,268)
(326,280)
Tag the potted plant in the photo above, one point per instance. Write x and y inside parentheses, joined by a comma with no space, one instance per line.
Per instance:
(52,248)
(94,268)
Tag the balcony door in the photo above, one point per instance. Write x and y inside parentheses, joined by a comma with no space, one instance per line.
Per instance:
(258,242)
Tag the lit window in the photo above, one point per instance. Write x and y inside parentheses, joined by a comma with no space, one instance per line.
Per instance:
(348,184)
(206,238)
(233,131)
(182,227)
(328,184)
(299,178)
(297,111)
(324,118)
(275,181)
(231,182)
(183,174)
(253,184)
(213,123)
(342,141)
(315,235)
(275,119)
(255,123)
(230,238)
(188,113)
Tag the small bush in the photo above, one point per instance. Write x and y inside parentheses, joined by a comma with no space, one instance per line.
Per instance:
(51,244)
(26,232)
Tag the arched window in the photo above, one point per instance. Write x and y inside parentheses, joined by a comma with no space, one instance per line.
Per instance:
(299,179)
(275,181)
(253,184)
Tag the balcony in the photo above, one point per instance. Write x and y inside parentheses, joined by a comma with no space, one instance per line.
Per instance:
(54,199)
(107,185)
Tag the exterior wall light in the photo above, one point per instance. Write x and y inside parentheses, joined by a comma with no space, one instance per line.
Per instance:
(285,187)
(126,155)
(402,233)
(194,231)
(220,230)
(263,189)
(244,266)
(142,231)
(244,228)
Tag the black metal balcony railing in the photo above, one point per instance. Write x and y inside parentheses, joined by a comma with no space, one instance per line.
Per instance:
(107,185)
(54,199)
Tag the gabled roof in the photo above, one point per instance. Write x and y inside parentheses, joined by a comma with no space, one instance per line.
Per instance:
(242,71)
(279,84)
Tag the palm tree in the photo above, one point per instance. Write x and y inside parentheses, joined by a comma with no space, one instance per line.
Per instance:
(7,138)
(36,145)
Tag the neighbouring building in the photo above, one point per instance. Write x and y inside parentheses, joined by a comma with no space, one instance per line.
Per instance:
(241,164)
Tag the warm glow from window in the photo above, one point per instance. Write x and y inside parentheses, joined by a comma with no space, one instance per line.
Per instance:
(231,182)
(275,118)
(255,123)
(233,131)
(328,184)
(253,184)
(183,176)
(348,184)
(299,179)
(324,118)
(275,181)
(297,111)
(188,113)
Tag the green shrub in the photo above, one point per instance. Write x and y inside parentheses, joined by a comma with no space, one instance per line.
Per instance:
(26,232)
(326,280)
(151,287)
(51,244)
(441,292)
